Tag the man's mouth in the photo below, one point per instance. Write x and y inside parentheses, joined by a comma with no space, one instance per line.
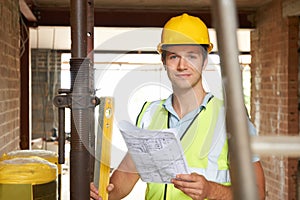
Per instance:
(182,75)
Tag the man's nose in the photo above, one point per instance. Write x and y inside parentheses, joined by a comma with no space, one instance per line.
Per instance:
(182,63)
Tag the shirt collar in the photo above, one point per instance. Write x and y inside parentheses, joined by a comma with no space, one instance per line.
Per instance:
(169,107)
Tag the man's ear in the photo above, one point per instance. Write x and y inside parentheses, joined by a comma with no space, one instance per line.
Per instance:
(163,62)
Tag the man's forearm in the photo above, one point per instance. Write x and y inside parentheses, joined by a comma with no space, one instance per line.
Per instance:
(123,182)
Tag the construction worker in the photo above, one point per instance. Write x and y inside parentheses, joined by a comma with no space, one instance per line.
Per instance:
(197,115)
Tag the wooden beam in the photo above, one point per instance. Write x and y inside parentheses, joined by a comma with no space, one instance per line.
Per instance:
(132,18)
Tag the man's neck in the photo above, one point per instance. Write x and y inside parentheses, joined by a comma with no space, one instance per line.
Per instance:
(187,101)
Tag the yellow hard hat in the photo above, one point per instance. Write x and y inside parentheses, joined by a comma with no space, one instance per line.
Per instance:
(185,29)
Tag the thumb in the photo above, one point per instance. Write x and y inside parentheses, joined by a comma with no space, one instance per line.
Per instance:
(110,187)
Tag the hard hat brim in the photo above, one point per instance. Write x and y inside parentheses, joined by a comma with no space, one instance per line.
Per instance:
(161,47)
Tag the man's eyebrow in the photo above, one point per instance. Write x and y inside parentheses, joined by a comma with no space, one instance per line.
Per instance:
(171,52)
(188,52)
(195,52)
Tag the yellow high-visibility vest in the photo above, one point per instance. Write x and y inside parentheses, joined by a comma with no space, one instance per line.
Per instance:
(204,144)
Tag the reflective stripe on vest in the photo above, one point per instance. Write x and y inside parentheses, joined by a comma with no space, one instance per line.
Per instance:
(204,144)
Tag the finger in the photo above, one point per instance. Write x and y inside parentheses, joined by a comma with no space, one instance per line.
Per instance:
(110,187)
(93,188)
(183,180)
(95,196)
(192,192)
(184,177)
(184,184)
(189,177)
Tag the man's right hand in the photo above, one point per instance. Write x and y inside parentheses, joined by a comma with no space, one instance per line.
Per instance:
(94,194)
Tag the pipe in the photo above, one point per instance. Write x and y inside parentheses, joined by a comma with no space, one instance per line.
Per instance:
(61,144)
(90,55)
(80,118)
(90,30)
(61,101)
(242,173)
(276,145)
(78,17)
(80,129)
(61,135)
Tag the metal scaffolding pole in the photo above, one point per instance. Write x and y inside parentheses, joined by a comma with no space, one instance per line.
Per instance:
(276,145)
(81,100)
(78,15)
(90,55)
(242,173)
(81,92)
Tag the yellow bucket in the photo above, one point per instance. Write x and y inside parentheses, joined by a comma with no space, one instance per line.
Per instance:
(48,155)
(28,178)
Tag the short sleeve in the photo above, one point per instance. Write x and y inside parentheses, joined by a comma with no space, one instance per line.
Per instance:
(253,132)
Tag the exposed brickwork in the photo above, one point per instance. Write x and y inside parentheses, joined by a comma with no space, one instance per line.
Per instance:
(274,91)
(45,66)
(9,76)
(274,87)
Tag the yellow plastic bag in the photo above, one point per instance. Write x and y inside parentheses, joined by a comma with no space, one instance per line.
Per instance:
(27,179)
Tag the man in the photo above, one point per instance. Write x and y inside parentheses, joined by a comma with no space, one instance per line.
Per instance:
(196,114)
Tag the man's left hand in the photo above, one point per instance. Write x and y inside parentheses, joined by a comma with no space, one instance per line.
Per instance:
(194,185)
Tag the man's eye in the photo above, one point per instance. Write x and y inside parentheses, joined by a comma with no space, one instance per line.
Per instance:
(192,57)
(173,57)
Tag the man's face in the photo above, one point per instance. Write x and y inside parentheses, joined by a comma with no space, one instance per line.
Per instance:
(184,64)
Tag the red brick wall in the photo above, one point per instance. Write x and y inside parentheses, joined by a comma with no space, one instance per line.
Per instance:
(9,76)
(274,100)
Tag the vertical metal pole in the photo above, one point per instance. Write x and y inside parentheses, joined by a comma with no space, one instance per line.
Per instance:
(90,29)
(25,103)
(242,174)
(80,118)
(90,55)
(61,136)
(61,144)
(79,28)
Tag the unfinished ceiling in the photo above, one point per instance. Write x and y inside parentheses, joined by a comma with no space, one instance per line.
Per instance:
(148,4)
(135,13)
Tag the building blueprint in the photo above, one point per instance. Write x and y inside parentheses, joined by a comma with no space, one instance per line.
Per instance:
(158,155)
